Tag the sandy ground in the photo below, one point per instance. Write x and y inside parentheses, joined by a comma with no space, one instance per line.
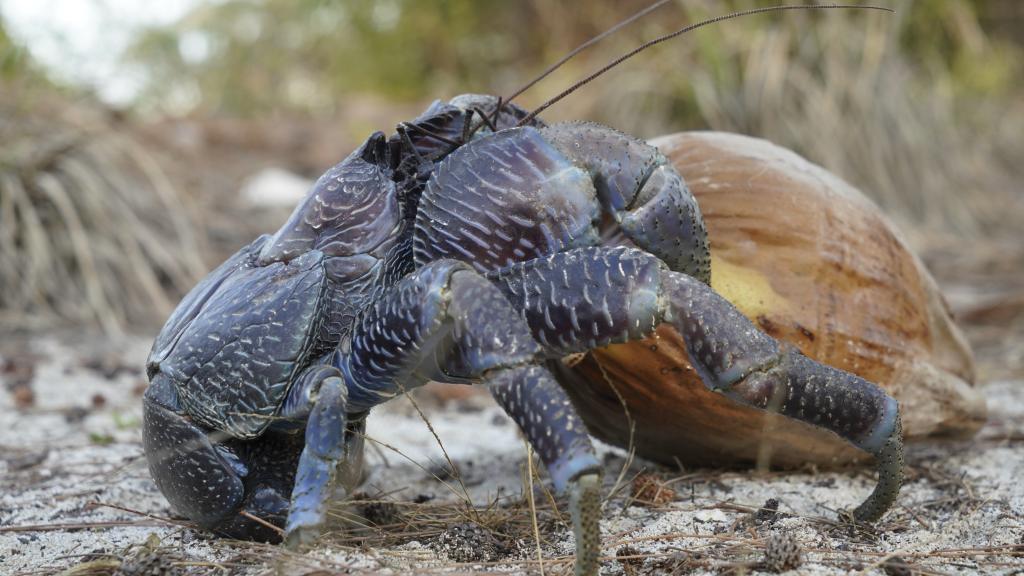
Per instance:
(75,494)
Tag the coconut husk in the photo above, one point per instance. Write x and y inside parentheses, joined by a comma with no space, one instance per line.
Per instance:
(814,263)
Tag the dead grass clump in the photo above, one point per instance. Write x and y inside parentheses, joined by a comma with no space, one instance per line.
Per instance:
(443,524)
(841,91)
(648,489)
(91,229)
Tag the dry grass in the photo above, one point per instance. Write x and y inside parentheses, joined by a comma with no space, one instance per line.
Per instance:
(900,137)
(91,229)
(839,545)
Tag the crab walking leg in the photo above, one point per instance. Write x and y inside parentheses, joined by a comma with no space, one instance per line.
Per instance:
(735,358)
(590,297)
(320,397)
(535,401)
(446,322)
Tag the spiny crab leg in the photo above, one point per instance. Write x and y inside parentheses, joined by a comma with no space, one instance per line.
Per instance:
(590,297)
(446,322)
(855,409)
(585,509)
(890,477)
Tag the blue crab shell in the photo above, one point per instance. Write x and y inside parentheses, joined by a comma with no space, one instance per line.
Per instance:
(233,364)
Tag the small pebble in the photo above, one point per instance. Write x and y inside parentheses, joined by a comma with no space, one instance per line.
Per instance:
(626,556)
(897,566)
(768,512)
(467,542)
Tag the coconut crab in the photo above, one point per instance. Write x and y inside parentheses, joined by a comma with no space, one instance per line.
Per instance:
(469,247)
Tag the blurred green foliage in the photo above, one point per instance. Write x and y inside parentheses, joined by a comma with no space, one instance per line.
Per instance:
(25,88)
(249,57)
(948,35)
(15,64)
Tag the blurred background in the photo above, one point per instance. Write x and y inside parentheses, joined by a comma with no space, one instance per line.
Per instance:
(140,145)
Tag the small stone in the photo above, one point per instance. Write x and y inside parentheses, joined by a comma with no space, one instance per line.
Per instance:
(149,563)
(75,414)
(768,512)
(467,542)
(677,563)
(628,558)
(441,472)
(18,370)
(23,397)
(649,490)
(381,513)
(782,552)
(896,566)
(27,460)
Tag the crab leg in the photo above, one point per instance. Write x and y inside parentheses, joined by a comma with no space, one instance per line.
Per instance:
(446,322)
(548,419)
(320,395)
(589,297)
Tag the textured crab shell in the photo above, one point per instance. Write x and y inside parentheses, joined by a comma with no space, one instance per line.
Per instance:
(235,344)
(812,262)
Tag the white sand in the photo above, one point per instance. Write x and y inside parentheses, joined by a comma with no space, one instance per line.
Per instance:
(55,468)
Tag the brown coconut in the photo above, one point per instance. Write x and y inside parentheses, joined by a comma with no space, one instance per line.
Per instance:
(812,262)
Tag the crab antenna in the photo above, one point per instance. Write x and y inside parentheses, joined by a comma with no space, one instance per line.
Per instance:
(680,32)
(584,46)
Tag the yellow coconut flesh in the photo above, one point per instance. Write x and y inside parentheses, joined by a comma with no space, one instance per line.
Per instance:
(812,262)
